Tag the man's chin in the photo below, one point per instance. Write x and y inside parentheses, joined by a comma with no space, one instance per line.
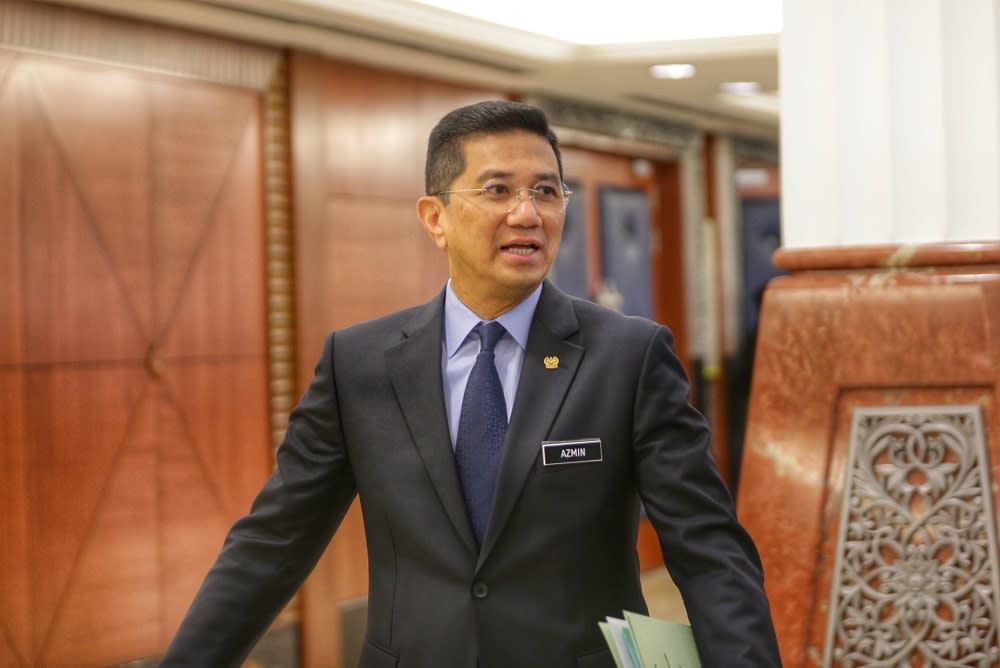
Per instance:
(524,284)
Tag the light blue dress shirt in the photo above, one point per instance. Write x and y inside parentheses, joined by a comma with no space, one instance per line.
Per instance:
(460,351)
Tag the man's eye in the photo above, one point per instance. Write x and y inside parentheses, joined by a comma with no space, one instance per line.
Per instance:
(496,190)
(546,190)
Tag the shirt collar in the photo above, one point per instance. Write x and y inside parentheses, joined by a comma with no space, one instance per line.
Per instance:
(459,320)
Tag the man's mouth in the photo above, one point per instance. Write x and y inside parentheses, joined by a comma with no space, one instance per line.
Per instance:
(520,249)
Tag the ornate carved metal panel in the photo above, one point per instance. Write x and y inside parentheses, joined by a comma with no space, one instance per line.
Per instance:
(915,580)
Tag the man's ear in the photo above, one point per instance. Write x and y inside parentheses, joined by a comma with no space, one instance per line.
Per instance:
(429,210)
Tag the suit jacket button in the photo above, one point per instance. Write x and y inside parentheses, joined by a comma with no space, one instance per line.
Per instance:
(480,590)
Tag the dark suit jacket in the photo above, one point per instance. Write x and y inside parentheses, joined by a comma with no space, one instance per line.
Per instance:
(560,552)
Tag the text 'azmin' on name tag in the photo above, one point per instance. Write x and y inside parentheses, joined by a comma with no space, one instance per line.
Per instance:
(571,452)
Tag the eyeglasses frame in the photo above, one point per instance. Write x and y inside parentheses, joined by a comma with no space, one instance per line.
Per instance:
(517,195)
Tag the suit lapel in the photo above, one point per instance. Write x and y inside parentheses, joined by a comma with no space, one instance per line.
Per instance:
(415,370)
(540,393)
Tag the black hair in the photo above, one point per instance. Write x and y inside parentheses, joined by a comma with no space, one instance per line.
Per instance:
(445,158)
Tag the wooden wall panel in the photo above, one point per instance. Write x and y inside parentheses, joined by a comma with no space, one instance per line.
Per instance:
(197,131)
(68,274)
(214,407)
(372,142)
(106,180)
(10,235)
(410,267)
(668,264)
(133,366)
(360,138)
(77,423)
(15,630)
(220,278)
(105,606)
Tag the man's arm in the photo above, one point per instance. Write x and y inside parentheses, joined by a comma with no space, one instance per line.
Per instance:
(270,551)
(710,556)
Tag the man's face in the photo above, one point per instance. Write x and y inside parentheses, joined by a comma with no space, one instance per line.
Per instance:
(495,257)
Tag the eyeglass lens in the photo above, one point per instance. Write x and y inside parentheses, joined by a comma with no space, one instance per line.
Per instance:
(548,196)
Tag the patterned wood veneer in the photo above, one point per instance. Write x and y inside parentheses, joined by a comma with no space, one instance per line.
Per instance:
(133,361)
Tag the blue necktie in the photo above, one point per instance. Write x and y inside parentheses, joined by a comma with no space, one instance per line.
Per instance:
(481,428)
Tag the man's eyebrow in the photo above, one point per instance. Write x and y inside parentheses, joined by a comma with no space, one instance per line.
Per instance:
(503,174)
(493,174)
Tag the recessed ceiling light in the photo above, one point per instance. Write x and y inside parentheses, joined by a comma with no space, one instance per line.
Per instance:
(740,87)
(672,71)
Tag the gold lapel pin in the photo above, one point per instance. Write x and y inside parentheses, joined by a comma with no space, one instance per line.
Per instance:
(551,362)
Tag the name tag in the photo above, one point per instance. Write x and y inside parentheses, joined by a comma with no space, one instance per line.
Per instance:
(555,453)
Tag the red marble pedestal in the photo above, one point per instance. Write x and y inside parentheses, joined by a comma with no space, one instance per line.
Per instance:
(893,326)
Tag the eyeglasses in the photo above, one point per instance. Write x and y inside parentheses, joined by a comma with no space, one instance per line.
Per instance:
(548,197)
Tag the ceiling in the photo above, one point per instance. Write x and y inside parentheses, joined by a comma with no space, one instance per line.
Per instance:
(412,36)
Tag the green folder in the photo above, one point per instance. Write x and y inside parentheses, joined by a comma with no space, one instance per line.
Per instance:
(606,630)
(663,644)
(653,643)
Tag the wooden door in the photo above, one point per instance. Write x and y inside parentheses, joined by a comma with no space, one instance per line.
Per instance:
(133,407)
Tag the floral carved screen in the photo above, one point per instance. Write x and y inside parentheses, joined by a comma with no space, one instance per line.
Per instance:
(915,580)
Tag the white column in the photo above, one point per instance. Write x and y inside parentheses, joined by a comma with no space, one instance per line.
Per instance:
(890,122)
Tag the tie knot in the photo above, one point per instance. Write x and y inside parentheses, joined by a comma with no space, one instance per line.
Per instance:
(489,334)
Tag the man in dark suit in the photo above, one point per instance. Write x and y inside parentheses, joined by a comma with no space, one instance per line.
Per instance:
(501,438)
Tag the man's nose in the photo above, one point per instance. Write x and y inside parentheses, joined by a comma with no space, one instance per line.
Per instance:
(524,211)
